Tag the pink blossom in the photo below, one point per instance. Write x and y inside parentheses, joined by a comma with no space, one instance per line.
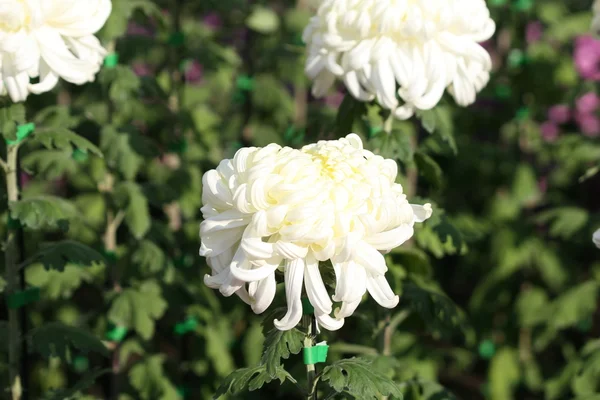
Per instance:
(549,131)
(559,114)
(194,71)
(135,29)
(588,103)
(587,57)
(589,124)
(334,100)
(533,32)
(212,20)
(142,69)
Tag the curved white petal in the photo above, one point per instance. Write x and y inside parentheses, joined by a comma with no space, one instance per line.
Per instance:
(264,294)
(294,274)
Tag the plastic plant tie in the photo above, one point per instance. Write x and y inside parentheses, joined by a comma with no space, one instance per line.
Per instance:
(315,354)
(20,299)
(487,349)
(111,256)
(22,132)
(80,155)
(245,83)
(111,60)
(189,325)
(116,334)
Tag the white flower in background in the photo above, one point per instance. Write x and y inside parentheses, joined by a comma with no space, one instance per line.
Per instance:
(421,46)
(596,19)
(278,208)
(596,238)
(49,39)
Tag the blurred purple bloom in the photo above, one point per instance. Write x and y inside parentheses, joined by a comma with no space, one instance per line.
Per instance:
(549,131)
(559,114)
(142,69)
(588,103)
(193,71)
(534,31)
(587,57)
(213,21)
(135,29)
(334,100)
(589,124)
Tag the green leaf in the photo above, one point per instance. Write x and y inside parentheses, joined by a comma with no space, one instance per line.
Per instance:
(531,305)
(56,255)
(251,379)
(349,111)
(438,121)
(418,389)
(122,10)
(150,258)
(43,212)
(566,221)
(138,308)
(10,116)
(263,20)
(74,392)
(437,311)
(129,197)
(50,164)
(58,340)
(429,168)
(504,374)
(573,305)
(279,344)
(357,377)
(56,284)
(149,379)
(123,151)
(65,139)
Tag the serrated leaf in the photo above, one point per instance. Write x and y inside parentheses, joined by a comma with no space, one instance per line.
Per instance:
(50,164)
(58,340)
(429,168)
(58,254)
(263,20)
(74,392)
(573,305)
(438,121)
(149,257)
(504,374)
(356,377)
(349,111)
(279,344)
(10,116)
(149,379)
(251,379)
(125,150)
(565,221)
(56,284)
(129,197)
(43,212)
(65,139)
(437,311)
(138,308)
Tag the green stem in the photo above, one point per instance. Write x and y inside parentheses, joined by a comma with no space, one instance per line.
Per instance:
(11,256)
(311,372)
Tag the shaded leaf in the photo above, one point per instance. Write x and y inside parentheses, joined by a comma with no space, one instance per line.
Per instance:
(129,197)
(150,380)
(58,340)
(251,379)
(279,344)
(56,255)
(74,392)
(65,139)
(43,212)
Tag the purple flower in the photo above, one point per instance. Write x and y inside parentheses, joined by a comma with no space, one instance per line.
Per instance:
(588,103)
(142,69)
(589,124)
(334,100)
(549,131)
(533,32)
(559,114)
(587,57)
(194,71)
(213,21)
(135,29)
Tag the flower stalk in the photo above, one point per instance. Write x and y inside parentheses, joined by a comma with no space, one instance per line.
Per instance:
(310,325)
(13,282)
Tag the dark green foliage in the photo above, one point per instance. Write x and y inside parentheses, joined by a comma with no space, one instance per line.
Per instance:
(43,212)
(58,340)
(74,392)
(57,255)
(251,378)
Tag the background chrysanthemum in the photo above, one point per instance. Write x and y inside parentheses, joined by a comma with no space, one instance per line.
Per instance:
(48,40)
(275,207)
(402,53)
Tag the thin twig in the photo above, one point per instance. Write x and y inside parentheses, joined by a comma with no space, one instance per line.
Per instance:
(4,166)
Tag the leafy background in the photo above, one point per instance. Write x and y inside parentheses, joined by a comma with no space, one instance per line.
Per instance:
(499,289)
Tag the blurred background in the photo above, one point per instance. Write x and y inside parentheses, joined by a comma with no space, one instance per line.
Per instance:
(499,289)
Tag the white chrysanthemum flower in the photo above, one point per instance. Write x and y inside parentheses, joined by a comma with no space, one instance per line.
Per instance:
(49,39)
(596,19)
(420,46)
(596,238)
(278,208)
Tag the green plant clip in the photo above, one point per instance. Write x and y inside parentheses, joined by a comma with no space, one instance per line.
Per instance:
(523,5)
(516,58)
(522,113)
(116,333)
(111,60)
(307,307)
(315,354)
(80,155)
(374,130)
(111,256)
(189,325)
(22,132)
(20,299)
(487,349)
(184,261)
(497,3)
(81,364)
(176,39)
(245,83)
(503,91)
(179,146)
